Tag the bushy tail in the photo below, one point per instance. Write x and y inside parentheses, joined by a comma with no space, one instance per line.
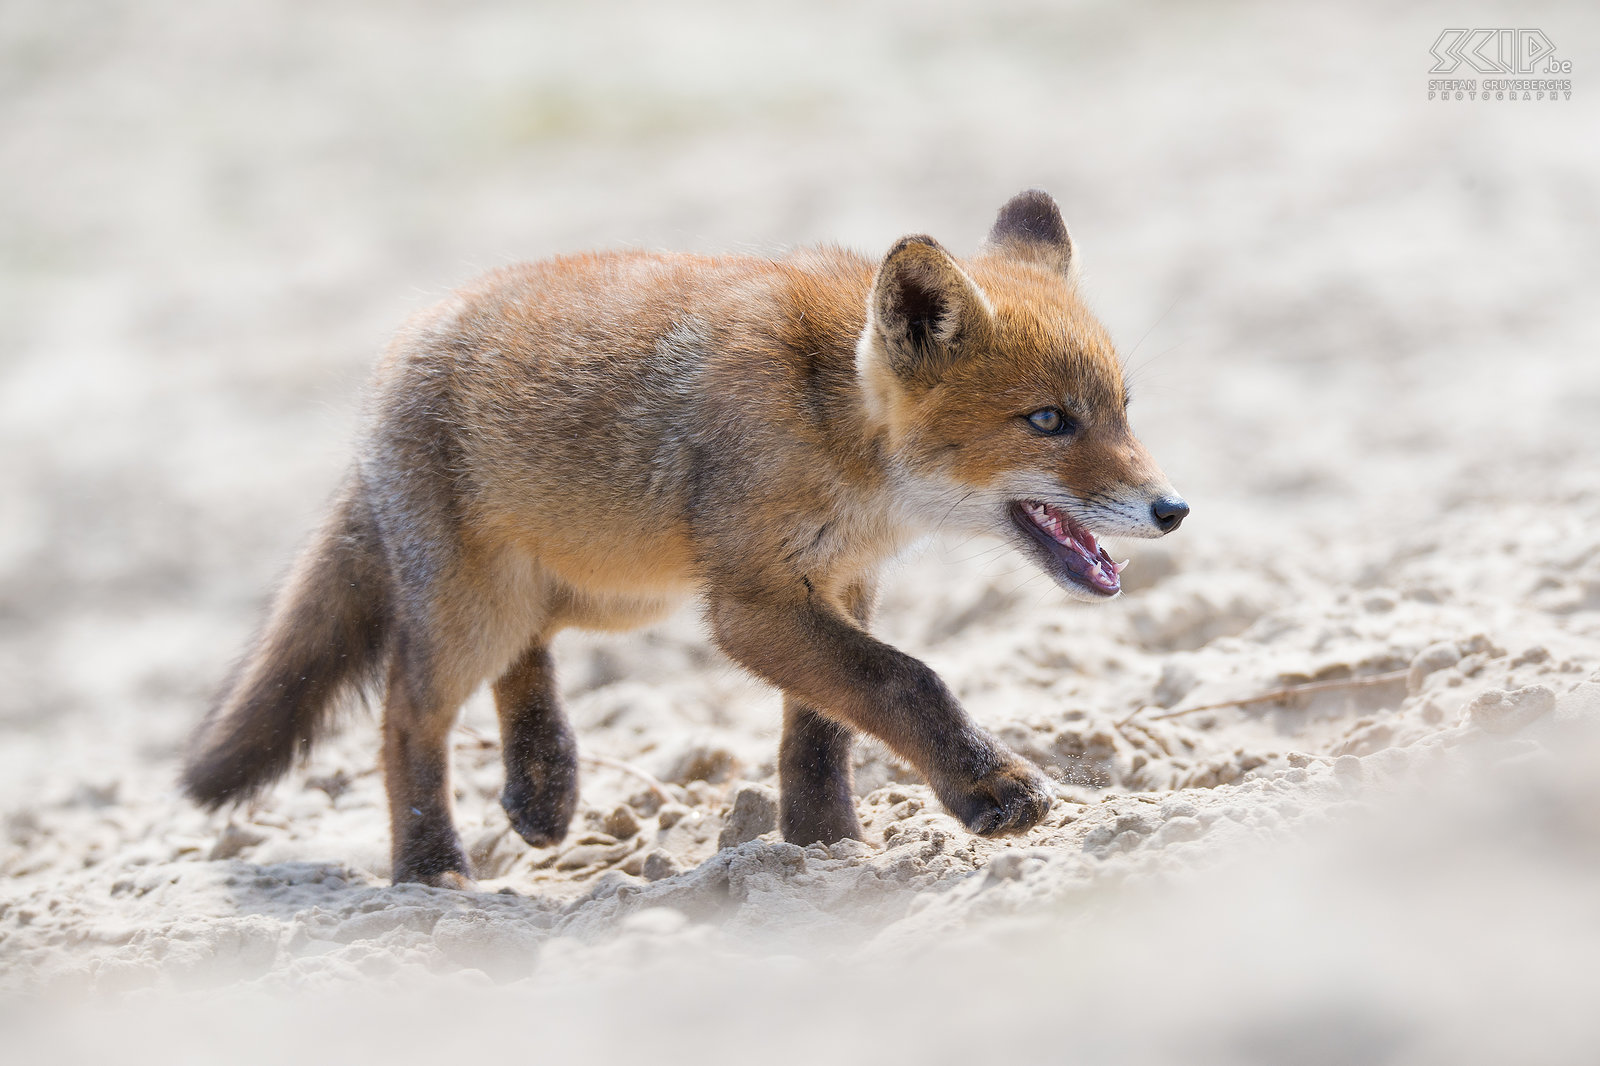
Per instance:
(324,642)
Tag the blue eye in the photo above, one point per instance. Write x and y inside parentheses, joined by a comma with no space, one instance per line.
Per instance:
(1051,422)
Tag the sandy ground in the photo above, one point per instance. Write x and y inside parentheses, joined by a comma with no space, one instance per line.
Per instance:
(1364,345)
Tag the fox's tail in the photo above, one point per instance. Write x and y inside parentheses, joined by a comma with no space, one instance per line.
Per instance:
(324,641)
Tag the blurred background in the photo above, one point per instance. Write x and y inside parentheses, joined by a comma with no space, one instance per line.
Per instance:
(1360,324)
(212,216)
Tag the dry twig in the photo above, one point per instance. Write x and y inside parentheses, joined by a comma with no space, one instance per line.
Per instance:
(1368,681)
(652,782)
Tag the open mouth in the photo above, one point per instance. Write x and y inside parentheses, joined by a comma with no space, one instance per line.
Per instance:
(1074,548)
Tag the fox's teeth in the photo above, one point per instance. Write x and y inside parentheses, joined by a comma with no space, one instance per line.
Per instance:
(1087,559)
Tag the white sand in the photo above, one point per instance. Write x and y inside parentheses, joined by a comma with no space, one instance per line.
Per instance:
(1365,344)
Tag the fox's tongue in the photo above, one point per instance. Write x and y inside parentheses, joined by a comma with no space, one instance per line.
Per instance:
(1081,552)
(1095,570)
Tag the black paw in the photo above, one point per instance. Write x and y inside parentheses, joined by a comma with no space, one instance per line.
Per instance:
(432,855)
(1011,799)
(541,811)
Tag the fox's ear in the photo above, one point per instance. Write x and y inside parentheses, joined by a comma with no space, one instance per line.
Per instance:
(1030,227)
(925,309)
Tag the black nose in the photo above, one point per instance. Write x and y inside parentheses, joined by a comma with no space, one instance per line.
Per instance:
(1169,512)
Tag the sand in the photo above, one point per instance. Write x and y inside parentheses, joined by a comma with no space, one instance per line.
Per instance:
(1363,344)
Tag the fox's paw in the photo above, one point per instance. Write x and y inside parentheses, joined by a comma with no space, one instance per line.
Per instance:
(540,815)
(453,879)
(458,880)
(435,859)
(1011,799)
(818,823)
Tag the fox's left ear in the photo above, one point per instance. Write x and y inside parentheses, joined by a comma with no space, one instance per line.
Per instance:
(925,310)
(1030,228)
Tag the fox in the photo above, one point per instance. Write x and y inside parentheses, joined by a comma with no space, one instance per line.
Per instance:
(593,440)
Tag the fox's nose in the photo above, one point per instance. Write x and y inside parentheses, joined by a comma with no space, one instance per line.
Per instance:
(1169,513)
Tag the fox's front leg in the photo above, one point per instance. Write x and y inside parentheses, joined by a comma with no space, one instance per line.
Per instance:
(816,787)
(824,661)
(816,793)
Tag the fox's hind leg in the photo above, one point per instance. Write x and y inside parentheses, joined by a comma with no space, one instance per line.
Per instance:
(816,789)
(447,645)
(465,599)
(418,714)
(541,756)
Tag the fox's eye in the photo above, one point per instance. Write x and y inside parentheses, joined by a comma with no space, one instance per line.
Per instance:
(1051,422)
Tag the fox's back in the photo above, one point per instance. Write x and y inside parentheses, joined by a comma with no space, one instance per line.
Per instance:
(582,394)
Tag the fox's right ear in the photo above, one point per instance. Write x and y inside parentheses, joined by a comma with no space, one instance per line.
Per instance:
(925,309)
(1030,227)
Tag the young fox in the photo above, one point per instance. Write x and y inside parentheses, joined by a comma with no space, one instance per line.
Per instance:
(590,440)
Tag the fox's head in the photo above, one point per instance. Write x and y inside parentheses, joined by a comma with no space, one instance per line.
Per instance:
(1003,401)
